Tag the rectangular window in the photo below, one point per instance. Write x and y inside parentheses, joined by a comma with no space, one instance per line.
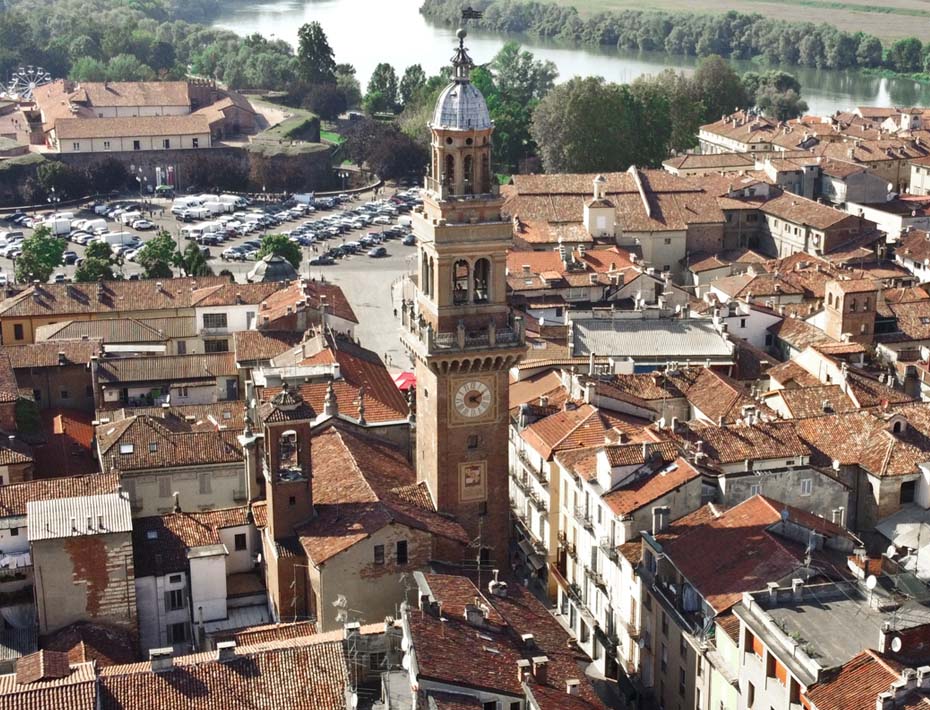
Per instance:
(401,552)
(166,144)
(174,579)
(751,695)
(216,346)
(664,624)
(137,145)
(182,347)
(473,441)
(177,633)
(807,486)
(664,658)
(681,682)
(742,322)
(37,395)
(106,145)
(175,599)
(908,489)
(755,490)
(241,542)
(76,147)
(206,486)
(379,554)
(683,649)
(14,532)
(164,487)
(195,143)
(18,331)
(489,705)
(126,448)
(214,320)
(153,447)
(65,394)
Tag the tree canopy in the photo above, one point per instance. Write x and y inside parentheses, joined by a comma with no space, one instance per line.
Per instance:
(157,255)
(382,92)
(280,245)
(42,254)
(314,55)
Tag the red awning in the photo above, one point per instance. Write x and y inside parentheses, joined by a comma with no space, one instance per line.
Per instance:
(405,380)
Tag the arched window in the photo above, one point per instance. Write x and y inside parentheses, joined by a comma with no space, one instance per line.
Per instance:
(897,427)
(424,275)
(288,448)
(468,168)
(482,281)
(485,173)
(852,305)
(432,277)
(448,179)
(460,282)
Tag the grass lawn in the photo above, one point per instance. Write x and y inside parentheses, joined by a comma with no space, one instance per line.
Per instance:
(332,137)
(892,19)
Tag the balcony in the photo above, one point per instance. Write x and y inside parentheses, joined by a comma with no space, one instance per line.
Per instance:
(571,551)
(596,577)
(538,473)
(583,518)
(421,335)
(537,501)
(609,548)
(521,481)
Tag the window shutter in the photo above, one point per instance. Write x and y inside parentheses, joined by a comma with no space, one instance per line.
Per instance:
(167,601)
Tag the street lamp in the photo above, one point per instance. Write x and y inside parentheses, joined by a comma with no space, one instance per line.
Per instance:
(344,174)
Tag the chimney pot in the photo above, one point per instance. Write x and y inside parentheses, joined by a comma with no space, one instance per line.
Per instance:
(572,686)
(541,669)
(225,650)
(161,659)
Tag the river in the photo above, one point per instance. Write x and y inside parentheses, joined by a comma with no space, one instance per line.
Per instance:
(366,32)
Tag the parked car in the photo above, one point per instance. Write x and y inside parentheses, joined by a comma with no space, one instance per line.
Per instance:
(59,278)
(377,252)
(69,257)
(142,225)
(322,260)
(409,241)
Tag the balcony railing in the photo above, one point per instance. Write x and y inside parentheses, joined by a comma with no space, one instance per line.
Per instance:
(596,577)
(583,518)
(539,473)
(521,481)
(609,548)
(460,338)
(537,501)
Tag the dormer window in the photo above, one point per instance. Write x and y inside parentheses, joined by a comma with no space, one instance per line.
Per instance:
(126,448)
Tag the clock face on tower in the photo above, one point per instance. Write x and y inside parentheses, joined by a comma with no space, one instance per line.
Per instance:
(472,399)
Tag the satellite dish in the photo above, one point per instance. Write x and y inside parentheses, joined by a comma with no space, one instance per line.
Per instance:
(341,602)
(641,643)
(353,700)
(891,551)
(896,644)
(870,582)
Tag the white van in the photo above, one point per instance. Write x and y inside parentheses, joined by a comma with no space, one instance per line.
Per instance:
(94,226)
(128,218)
(119,238)
(192,232)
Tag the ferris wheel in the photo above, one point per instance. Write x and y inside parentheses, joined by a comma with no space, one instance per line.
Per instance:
(25,80)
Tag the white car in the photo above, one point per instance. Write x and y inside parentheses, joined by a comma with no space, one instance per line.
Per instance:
(9,249)
(381,220)
(142,224)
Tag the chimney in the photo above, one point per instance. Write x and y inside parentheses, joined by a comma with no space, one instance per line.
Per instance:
(660,515)
(797,589)
(474,614)
(573,686)
(62,360)
(772,588)
(923,678)
(884,638)
(161,659)
(523,670)
(528,640)
(541,669)
(225,651)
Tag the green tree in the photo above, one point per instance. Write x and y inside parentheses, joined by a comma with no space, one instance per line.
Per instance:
(192,261)
(280,245)
(685,110)
(869,52)
(905,55)
(88,69)
(314,55)
(587,125)
(108,174)
(42,254)
(93,269)
(348,83)
(157,255)
(520,77)
(413,81)
(99,250)
(326,100)
(62,180)
(382,90)
(126,67)
(719,88)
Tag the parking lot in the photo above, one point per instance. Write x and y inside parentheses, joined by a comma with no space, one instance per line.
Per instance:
(366,281)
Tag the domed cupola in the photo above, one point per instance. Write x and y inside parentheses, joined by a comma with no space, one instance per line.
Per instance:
(461,134)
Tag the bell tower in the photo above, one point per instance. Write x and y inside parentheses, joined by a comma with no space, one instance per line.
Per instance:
(458,327)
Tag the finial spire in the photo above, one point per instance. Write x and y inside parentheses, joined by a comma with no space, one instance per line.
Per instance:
(330,404)
(461,62)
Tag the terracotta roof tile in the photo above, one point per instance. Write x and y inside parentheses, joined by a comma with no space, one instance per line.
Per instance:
(305,673)
(75,691)
(13,497)
(167,368)
(856,683)
(160,542)
(725,554)
(230,294)
(253,635)
(120,330)
(85,641)
(52,354)
(651,487)
(737,442)
(360,485)
(566,429)
(73,298)
(789,371)
(252,345)
(798,333)
(135,126)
